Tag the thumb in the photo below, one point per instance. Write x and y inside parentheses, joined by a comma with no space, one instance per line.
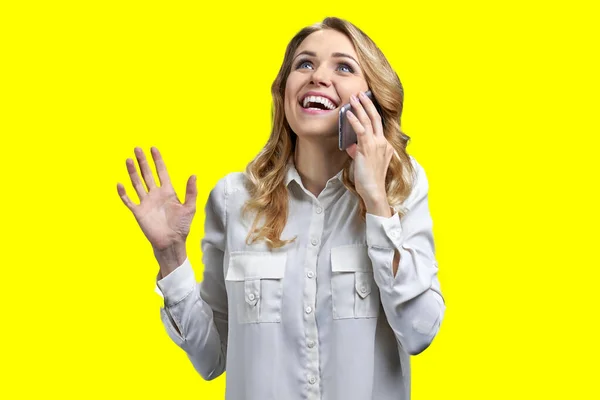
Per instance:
(191,192)
(351,150)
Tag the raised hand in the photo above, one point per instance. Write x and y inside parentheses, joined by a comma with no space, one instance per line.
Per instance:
(162,217)
(372,155)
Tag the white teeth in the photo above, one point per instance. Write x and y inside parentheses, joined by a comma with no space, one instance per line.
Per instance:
(318,99)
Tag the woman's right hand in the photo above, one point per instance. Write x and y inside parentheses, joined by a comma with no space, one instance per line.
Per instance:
(162,217)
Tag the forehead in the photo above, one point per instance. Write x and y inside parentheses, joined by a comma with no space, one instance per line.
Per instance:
(325,42)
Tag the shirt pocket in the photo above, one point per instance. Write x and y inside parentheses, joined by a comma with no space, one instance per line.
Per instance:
(353,289)
(256,281)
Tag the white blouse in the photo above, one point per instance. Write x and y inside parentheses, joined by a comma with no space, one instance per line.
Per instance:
(320,318)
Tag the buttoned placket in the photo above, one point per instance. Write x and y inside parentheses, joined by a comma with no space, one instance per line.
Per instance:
(310,294)
(316,229)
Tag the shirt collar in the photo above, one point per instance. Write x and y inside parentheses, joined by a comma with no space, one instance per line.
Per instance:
(293,175)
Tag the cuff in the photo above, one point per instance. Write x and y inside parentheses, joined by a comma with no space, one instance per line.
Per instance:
(177,285)
(384,232)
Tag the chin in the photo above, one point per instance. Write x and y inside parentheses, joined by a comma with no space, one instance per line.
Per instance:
(313,129)
(317,133)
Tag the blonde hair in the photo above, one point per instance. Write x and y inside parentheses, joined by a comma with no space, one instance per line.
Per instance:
(267,172)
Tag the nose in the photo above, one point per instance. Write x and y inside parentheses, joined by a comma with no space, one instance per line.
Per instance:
(321,77)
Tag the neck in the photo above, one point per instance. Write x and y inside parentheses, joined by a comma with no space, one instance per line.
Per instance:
(316,163)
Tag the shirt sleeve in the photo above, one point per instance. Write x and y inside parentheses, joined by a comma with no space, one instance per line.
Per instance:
(412,300)
(195,314)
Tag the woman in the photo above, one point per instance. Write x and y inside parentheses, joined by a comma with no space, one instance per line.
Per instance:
(320,277)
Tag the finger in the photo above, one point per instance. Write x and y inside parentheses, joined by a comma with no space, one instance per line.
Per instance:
(361,114)
(145,168)
(123,195)
(135,179)
(161,168)
(191,193)
(372,113)
(358,128)
(351,150)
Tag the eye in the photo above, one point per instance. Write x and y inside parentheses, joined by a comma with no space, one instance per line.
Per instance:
(345,68)
(303,64)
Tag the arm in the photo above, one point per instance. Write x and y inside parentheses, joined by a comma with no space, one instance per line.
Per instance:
(405,269)
(195,315)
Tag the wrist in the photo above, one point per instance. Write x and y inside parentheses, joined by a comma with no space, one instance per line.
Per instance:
(170,258)
(379,206)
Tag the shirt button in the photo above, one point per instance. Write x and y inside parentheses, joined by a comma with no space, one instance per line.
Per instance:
(308,309)
(310,274)
(311,344)
(363,289)
(319,210)
(312,380)
(251,296)
(314,242)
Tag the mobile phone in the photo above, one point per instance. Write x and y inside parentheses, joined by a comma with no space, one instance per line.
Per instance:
(347,136)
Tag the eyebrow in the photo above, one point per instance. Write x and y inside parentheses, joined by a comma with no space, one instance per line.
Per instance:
(336,55)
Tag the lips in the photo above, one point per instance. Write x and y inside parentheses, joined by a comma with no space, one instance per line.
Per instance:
(317,101)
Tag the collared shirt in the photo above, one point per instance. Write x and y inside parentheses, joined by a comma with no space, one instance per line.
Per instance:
(323,317)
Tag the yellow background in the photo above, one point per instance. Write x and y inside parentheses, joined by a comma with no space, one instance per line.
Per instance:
(501,104)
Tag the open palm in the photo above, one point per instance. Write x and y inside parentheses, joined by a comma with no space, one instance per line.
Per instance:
(162,217)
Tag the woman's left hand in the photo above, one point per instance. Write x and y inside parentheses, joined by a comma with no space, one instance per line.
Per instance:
(372,155)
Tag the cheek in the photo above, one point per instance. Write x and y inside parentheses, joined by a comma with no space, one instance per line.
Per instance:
(288,110)
(290,92)
(294,84)
(289,101)
(353,88)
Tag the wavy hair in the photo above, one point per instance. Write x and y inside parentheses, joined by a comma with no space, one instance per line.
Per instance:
(266,173)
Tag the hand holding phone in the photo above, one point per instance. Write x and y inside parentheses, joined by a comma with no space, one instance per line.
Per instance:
(347,136)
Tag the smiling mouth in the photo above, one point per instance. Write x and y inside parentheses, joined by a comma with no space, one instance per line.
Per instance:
(317,103)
